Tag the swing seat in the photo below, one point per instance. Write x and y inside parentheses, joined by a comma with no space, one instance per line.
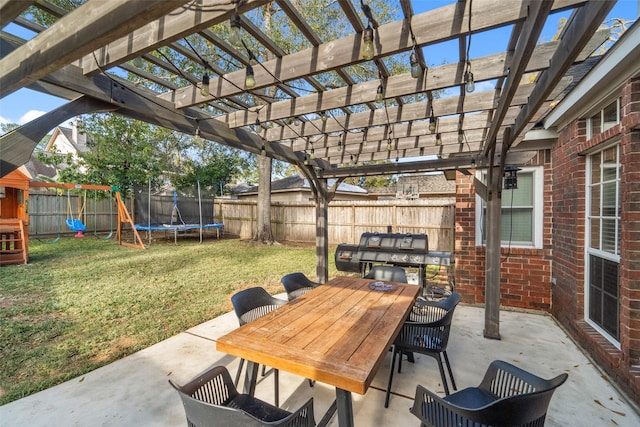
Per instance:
(76,225)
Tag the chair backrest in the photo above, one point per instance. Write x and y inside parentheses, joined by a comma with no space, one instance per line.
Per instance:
(522,397)
(296,284)
(250,304)
(387,272)
(429,325)
(212,400)
(524,403)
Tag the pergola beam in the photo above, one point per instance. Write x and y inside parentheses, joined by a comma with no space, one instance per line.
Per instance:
(429,27)
(10,10)
(536,18)
(486,68)
(158,32)
(585,21)
(82,31)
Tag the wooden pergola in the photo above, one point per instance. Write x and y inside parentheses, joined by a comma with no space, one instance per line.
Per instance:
(332,131)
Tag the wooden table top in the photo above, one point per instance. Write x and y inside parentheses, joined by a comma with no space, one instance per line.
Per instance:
(337,334)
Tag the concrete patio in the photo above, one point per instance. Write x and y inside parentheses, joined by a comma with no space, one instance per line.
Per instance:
(135,391)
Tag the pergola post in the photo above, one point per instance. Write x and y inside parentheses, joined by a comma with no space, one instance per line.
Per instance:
(492,257)
(322,230)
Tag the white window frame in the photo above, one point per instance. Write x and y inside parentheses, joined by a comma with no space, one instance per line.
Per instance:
(538,211)
(588,250)
(600,112)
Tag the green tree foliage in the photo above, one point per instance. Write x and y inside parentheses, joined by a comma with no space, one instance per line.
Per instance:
(128,153)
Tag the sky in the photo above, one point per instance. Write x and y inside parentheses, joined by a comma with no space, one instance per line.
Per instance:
(25,105)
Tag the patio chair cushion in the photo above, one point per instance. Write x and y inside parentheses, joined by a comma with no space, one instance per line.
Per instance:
(257,408)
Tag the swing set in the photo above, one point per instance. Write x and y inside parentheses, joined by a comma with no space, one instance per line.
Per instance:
(74,222)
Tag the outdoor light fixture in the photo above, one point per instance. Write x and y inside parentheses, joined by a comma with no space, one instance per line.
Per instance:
(389,145)
(460,136)
(263,150)
(234,36)
(432,122)
(312,154)
(469,85)
(196,136)
(511,177)
(380,93)
(258,122)
(438,139)
(368,49)
(416,68)
(339,146)
(204,89)
(306,159)
(323,116)
(249,79)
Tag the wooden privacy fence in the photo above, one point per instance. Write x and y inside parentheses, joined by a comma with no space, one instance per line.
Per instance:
(48,212)
(292,221)
(347,220)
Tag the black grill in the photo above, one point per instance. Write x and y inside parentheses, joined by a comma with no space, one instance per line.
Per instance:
(402,250)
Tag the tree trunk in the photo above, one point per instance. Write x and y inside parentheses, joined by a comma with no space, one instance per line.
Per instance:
(263,232)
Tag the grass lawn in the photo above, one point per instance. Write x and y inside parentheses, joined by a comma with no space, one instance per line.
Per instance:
(83,303)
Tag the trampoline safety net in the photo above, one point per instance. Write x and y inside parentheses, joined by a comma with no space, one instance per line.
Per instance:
(173,209)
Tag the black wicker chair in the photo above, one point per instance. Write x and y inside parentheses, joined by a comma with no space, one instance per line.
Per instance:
(297,284)
(507,396)
(211,399)
(251,304)
(387,272)
(426,331)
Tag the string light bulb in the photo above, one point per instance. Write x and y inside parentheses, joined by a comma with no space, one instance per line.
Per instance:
(460,136)
(432,122)
(306,159)
(438,139)
(368,49)
(249,79)
(416,68)
(323,116)
(234,36)
(469,85)
(204,89)
(389,145)
(263,150)
(380,93)
(312,154)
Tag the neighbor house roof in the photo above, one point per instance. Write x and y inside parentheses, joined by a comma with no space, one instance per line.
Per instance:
(296,182)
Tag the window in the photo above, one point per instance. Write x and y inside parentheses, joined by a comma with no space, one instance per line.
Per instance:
(522,213)
(604,119)
(603,242)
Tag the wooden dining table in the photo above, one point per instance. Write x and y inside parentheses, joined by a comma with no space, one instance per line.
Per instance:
(337,334)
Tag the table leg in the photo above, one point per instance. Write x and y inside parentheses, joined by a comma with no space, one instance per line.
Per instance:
(345,408)
(251,377)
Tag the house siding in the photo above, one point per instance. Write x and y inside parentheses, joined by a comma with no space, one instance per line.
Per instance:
(568,296)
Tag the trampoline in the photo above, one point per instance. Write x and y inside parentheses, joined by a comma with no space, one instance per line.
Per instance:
(175,212)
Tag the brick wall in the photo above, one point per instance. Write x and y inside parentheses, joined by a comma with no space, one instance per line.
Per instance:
(569,166)
(525,273)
